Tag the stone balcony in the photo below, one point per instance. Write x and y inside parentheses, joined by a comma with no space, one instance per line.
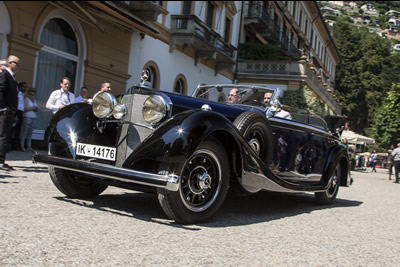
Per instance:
(287,71)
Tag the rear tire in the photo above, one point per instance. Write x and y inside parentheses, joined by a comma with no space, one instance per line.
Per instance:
(203,185)
(329,196)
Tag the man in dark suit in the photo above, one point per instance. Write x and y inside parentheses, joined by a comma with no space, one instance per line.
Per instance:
(8,106)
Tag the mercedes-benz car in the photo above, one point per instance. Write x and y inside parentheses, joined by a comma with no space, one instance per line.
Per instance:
(191,151)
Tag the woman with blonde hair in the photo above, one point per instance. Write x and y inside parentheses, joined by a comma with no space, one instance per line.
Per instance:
(30,115)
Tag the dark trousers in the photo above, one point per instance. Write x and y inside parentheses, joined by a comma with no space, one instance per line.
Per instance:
(16,131)
(397,169)
(6,119)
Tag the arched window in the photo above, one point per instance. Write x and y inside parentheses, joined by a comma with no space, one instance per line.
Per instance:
(180,85)
(60,56)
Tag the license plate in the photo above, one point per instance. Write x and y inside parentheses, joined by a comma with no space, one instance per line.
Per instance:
(93,151)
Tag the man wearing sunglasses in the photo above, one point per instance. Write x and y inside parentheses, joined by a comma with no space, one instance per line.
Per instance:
(8,106)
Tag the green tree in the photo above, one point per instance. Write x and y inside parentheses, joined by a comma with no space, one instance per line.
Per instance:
(387,122)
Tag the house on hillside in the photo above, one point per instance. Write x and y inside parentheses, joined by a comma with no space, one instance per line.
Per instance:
(369,9)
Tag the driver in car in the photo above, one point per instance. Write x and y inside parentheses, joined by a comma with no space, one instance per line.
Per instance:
(234,96)
(281,113)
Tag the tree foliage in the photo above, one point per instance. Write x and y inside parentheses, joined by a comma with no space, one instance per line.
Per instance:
(387,121)
(365,74)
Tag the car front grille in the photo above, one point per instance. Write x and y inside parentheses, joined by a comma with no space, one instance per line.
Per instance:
(130,135)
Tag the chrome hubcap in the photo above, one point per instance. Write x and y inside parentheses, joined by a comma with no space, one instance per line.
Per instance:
(255,145)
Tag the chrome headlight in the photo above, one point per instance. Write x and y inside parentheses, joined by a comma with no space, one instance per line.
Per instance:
(103,104)
(119,111)
(154,109)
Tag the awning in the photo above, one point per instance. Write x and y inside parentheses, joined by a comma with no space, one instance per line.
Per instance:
(354,138)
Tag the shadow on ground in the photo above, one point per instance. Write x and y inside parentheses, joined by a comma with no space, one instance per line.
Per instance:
(236,211)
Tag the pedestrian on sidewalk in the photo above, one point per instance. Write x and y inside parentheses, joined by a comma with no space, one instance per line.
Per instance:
(390,161)
(8,106)
(30,115)
(374,159)
(396,159)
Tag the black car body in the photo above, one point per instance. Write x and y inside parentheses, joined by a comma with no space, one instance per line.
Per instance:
(191,151)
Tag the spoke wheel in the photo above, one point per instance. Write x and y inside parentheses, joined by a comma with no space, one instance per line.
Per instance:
(203,186)
(329,196)
(201,180)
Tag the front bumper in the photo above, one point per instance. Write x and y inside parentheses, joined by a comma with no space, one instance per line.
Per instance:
(104,171)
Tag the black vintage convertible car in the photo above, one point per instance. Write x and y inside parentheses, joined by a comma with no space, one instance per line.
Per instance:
(192,151)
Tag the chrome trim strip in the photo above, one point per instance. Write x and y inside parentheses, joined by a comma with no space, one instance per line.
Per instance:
(309,127)
(167,181)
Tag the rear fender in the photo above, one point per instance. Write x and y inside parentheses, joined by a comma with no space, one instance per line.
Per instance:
(337,156)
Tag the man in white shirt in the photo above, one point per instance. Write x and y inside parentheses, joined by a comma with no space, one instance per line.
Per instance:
(83,95)
(61,97)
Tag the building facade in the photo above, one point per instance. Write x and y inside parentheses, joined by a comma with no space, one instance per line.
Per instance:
(181,43)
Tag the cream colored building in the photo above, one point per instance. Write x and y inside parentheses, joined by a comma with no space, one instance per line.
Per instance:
(181,43)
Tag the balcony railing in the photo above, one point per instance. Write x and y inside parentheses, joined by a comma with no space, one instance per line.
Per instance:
(190,30)
(146,10)
(285,70)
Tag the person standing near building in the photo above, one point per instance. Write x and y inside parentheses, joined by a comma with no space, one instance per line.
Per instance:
(374,160)
(396,160)
(390,161)
(30,115)
(8,106)
(16,131)
(83,95)
(62,97)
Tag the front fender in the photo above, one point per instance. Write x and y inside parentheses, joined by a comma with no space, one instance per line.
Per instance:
(77,123)
(172,143)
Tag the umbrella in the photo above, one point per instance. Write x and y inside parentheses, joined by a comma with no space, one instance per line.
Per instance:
(354,138)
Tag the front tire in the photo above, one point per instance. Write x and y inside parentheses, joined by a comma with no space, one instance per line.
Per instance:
(329,196)
(203,185)
(75,185)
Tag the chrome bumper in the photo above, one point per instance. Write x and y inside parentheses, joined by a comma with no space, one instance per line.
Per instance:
(168,181)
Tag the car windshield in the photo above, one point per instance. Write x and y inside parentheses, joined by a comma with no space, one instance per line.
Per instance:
(258,96)
(236,94)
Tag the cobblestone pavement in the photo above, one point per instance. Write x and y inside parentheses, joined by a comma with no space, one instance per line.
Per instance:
(41,227)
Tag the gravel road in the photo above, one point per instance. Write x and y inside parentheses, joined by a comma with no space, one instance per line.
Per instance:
(41,227)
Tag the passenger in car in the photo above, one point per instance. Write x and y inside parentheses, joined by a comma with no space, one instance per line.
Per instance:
(281,113)
(234,96)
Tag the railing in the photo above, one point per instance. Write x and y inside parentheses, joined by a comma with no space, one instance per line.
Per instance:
(324,91)
(191,25)
(297,70)
(269,67)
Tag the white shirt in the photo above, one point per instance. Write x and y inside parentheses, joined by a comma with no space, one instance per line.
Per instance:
(59,97)
(20,101)
(30,104)
(396,154)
